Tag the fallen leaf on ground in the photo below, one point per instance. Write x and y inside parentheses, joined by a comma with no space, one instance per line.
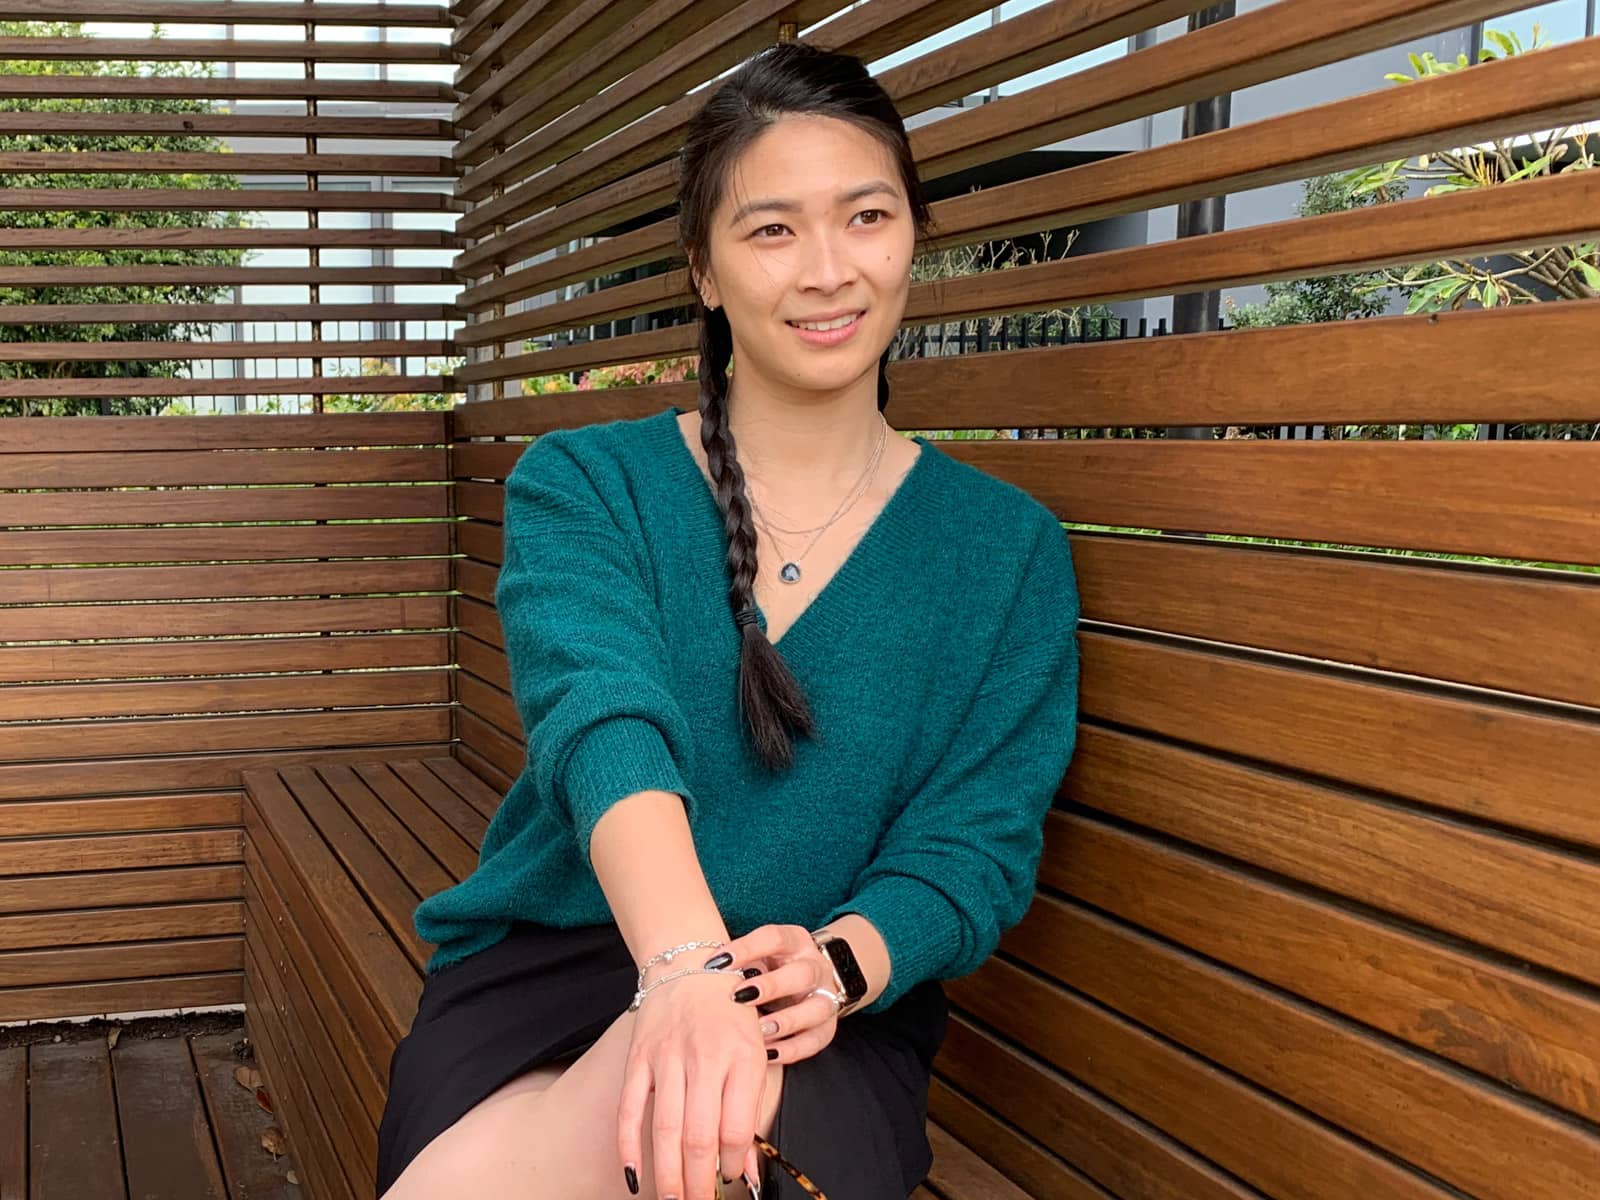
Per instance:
(292,1177)
(263,1099)
(247,1077)
(111,1038)
(273,1141)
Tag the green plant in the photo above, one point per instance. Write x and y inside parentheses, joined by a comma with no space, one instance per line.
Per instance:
(67,144)
(1566,272)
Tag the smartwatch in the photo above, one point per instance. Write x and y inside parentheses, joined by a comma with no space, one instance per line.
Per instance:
(849,982)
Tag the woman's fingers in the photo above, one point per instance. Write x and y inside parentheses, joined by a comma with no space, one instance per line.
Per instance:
(741,1106)
(797,979)
(795,1018)
(777,942)
(667,1131)
(636,1083)
(702,1138)
(804,1044)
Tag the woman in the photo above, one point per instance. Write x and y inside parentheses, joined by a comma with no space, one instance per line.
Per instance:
(822,706)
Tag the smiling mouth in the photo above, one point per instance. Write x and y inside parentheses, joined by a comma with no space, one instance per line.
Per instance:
(828,326)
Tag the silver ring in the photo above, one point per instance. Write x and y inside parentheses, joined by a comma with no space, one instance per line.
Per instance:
(838,1000)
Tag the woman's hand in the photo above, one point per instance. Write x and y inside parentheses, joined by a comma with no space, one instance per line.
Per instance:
(794,1022)
(700,1053)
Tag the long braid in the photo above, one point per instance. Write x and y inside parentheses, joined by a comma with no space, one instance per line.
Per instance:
(770,697)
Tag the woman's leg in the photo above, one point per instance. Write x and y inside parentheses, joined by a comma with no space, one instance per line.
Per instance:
(551,1133)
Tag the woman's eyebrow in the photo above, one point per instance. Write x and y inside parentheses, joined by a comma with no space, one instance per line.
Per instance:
(781,205)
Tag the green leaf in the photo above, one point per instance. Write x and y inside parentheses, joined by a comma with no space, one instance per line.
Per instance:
(1590,272)
(1500,40)
(1491,294)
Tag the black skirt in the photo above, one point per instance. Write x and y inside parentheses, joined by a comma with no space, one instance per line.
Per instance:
(852,1117)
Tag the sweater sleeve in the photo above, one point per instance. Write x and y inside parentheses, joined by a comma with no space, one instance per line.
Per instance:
(958,865)
(588,665)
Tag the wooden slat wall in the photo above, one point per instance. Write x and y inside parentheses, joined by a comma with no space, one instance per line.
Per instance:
(180,600)
(1315,919)
(389,130)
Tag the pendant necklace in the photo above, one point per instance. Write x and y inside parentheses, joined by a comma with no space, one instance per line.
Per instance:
(790,571)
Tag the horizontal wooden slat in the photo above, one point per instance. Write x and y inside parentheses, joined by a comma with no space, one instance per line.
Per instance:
(241,12)
(1373,611)
(76,701)
(124,773)
(80,277)
(69,585)
(88,964)
(402,728)
(106,852)
(1111,1147)
(103,925)
(228,87)
(1519,768)
(225,124)
(142,199)
(109,238)
(79,314)
(120,814)
(255,385)
(1270,1144)
(123,996)
(225,619)
(1499,1020)
(102,660)
(180,49)
(176,504)
(136,351)
(47,162)
(179,467)
(1525,901)
(117,889)
(1482,1139)
(62,437)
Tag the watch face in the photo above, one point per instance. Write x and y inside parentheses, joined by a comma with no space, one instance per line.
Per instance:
(844,961)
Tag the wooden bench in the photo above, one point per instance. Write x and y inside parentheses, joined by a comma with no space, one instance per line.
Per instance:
(336,860)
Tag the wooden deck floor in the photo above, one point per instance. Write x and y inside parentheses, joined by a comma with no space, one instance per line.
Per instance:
(152,1118)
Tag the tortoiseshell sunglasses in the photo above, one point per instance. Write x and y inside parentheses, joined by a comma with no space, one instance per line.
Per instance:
(788,1167)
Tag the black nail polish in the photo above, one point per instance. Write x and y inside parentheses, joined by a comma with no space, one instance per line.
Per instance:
(771,1054)
(746,994)
(749,973)
(632,1177)
(720,960)
(724,1178)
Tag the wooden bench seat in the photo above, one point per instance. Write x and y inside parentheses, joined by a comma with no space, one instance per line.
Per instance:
(336,860)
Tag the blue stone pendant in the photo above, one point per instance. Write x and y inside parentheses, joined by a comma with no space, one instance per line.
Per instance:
(790,573)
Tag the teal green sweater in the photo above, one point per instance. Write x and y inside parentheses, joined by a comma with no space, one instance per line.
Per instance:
(940,662)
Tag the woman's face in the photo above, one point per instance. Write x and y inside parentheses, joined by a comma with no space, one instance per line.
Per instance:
(815,222)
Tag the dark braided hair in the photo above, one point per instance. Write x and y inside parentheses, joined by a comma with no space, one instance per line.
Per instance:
(790,78)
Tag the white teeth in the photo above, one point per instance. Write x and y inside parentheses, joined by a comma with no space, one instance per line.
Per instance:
(823,326)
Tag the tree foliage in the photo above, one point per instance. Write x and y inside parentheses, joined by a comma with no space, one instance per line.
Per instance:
(129,293)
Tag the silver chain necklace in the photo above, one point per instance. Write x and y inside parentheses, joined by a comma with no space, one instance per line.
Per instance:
(790,571)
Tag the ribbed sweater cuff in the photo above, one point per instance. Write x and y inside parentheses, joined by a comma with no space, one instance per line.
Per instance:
(614,759)
(920,927)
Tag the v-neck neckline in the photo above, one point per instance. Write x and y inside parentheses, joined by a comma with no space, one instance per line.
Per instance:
(839,597)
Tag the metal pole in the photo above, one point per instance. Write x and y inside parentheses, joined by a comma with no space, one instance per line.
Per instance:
(1198,312)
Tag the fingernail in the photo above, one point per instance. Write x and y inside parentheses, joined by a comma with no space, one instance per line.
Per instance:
(746,994)
(749,973)
(755,1188)
(720,960)
(632,1177)
(769,1028)
(771,1054)
(723,1177)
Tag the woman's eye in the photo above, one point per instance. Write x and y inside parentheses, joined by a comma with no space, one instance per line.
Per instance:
(879,211)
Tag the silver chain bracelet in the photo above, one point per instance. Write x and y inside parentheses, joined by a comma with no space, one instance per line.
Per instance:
(646,989)
(669,955)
